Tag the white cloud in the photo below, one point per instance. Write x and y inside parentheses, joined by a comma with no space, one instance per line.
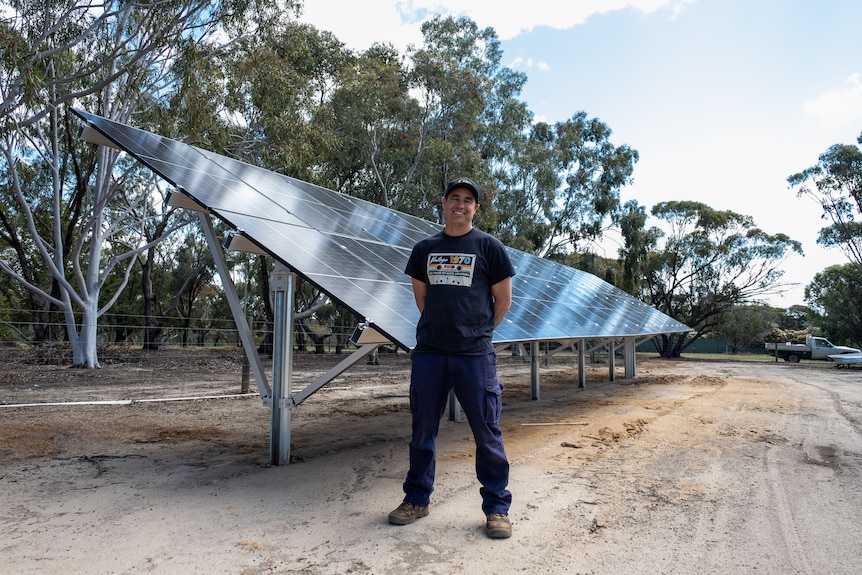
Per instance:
(528,64)
(511,22)
(839,107)
(360,24)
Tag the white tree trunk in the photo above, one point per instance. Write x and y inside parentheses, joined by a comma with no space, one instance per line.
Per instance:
(84,351)
(133,46)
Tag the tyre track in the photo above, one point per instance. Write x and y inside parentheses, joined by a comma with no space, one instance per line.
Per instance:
(794,543)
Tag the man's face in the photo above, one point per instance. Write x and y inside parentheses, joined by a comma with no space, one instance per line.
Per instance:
(460,206)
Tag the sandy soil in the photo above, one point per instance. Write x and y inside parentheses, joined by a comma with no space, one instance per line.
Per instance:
(691,467)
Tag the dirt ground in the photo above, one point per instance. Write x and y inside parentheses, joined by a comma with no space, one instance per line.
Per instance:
(690,467)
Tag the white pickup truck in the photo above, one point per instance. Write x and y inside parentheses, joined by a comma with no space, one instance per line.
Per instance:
(813,348)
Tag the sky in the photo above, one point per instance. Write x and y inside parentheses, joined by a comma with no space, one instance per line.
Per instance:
(723,99)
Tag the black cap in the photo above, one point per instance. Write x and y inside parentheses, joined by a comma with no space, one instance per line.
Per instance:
(463,183)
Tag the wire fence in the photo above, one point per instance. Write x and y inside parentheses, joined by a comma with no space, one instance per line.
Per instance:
(23,328)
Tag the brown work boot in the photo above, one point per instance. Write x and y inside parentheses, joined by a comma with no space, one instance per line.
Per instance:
(498,526)
(407,513)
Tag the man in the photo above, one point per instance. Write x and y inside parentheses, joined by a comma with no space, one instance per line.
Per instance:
(462,282)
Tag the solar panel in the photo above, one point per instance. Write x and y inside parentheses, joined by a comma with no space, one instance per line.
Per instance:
(355,251)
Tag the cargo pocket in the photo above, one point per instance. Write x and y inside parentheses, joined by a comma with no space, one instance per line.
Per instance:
(493,401)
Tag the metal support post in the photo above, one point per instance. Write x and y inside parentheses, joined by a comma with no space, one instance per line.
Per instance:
(582,363)
(454,407)
(630,351)
(534,370)
(612,353)
(240,319)
(282,282)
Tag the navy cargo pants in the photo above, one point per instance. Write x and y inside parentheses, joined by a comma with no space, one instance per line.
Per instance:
(474,380)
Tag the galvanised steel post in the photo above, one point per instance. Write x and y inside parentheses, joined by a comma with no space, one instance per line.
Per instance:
(282,282)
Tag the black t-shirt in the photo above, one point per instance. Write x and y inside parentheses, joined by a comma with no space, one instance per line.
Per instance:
(459,308)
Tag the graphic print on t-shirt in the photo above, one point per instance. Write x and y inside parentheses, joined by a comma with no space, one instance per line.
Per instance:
(451,269)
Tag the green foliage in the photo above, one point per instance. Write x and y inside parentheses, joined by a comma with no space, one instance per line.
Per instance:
(562,187)
(835,183)
(638,242)
(379,131)
(461,91)
(798,317)
(706,262)
(747,325)
(836,294)
(279,86)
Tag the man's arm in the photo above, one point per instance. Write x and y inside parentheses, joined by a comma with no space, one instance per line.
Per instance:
(502,292)
(420,290)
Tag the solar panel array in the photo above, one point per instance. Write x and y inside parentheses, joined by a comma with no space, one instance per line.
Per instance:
(356,251)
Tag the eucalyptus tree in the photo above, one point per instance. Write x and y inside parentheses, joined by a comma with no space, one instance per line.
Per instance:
(797,317)
(404,125)
(747,325)
(453,74)
(279,83)
(17,249)
(702,262)
(563,186)
(529,187)
(113,58)
(381,138)
(835,294)
(190,282)
(835,182)
(638,240)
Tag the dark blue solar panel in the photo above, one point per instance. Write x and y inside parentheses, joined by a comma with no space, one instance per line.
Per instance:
(356,251)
